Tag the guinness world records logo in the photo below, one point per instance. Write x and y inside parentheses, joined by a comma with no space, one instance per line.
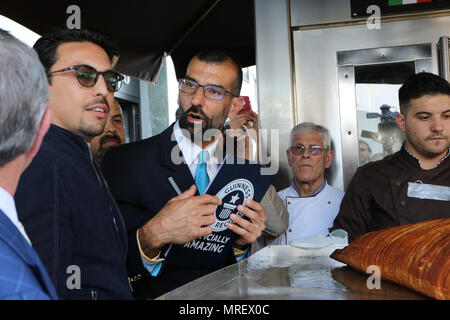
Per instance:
(232,195)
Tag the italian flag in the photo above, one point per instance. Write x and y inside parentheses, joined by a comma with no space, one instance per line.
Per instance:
(403,2)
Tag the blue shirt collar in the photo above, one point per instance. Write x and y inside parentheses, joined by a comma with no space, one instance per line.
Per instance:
(315,193)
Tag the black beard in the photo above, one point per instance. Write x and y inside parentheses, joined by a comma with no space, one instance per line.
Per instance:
(207,123)
(107,137)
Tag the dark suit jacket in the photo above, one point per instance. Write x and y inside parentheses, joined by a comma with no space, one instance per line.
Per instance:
(137,175)
(22,275)
(71,219)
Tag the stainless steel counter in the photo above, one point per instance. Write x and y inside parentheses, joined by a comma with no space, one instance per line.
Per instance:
(288,273)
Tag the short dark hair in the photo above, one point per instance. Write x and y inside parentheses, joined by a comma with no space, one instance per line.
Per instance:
(214,56)
(47,45)
(419,85)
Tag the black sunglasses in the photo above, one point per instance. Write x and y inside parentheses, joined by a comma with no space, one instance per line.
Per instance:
(87,76)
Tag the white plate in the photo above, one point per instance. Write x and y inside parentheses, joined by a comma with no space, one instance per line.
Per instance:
(313,242)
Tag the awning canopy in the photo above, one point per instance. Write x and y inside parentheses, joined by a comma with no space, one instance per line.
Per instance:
(145,30)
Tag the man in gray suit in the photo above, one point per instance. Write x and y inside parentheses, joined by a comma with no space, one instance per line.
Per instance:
(24,120)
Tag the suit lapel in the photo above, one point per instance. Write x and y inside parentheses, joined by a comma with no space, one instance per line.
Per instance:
(12,236)
(178,171)
(16,241)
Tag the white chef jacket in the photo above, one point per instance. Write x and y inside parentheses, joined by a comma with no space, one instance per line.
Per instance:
(309,215)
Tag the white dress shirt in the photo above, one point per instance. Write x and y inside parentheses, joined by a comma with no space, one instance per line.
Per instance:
(8,206)
(191,153)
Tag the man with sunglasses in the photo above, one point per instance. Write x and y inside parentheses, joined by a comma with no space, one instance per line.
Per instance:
(62,199)
(146,187)
(311,202)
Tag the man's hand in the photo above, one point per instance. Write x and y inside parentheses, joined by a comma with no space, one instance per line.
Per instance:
(244,127)
(183,219)
(248,230)
(244,121)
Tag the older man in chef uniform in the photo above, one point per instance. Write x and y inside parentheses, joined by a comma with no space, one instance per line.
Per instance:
(312,203)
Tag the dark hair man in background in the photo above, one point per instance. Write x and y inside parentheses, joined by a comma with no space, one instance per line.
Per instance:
(413,184)
(364,152)
(113,135)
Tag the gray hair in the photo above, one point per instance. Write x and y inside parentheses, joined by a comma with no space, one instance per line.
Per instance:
(307,127)
(23,97)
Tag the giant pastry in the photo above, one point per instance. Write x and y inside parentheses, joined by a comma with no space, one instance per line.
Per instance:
(414,255)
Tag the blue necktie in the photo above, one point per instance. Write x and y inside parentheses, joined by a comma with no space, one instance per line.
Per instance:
(201,175)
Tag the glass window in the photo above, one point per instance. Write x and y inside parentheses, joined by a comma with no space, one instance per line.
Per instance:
(250,86)
(377,106)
